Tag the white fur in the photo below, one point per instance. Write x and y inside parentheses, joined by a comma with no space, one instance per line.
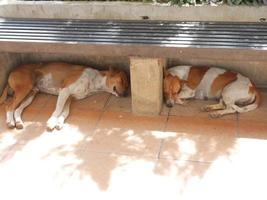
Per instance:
(61,100)
(180,71)
(186,93)
(203,89)
(91,81)
(23,105)
(238,92)
(10,119)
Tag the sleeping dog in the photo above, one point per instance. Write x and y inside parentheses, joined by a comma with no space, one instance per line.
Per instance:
(65,80)
(235,92)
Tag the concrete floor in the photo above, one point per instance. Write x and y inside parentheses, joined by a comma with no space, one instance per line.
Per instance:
(105,152)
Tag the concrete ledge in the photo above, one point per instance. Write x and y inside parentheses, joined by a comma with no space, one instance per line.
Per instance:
(129,11)
(146,85)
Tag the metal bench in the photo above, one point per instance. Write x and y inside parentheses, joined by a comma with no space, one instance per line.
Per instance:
(129,38)
(144,38)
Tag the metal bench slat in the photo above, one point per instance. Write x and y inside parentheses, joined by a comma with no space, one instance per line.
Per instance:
(156,33)
(138,28)
(56,36)
(161,31)
(127,41)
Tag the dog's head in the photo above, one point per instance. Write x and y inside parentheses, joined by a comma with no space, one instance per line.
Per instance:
(171,88)
(117,82)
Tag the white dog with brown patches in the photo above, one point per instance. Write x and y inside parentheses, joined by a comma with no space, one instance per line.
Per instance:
(235,92)
(65,80)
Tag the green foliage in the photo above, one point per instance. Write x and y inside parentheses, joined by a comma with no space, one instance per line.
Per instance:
(245,2)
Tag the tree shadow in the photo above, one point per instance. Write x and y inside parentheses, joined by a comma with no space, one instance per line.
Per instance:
(98,147)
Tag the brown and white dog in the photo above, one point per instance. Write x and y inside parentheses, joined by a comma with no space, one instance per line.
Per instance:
(235,92)
(65,80)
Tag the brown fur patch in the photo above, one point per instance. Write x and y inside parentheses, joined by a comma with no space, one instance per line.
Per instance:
(64,74)
(118,79)
(74,76)
(195,76)
(221,81)
(171,87)
(21,81)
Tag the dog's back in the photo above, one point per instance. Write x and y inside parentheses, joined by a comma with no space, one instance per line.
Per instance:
(206,82)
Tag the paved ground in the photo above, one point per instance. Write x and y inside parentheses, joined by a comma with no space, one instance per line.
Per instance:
(105,152)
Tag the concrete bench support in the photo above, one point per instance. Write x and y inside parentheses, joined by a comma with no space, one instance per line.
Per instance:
(146,84)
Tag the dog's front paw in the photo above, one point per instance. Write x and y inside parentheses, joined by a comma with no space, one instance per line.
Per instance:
(205,109)
(51,123)
(11,125)
(215,114)
(181,102)
(19,125)
(60,123)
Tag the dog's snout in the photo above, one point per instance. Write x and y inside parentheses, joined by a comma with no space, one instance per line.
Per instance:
(169,105)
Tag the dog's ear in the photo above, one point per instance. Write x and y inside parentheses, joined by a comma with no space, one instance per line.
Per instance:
(183,82)
(165,72)
(111,70)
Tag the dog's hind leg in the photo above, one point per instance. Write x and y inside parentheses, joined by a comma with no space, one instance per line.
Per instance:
(17,114)
(63,115)
(228,102)
(4,95)
(220,113)
(61,100)
(21,82)
(19,95)
(217,106)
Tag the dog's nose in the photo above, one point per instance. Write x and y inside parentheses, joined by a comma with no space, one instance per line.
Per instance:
(169,104)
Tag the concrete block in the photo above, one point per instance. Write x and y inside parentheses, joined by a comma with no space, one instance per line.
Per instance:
(146,85)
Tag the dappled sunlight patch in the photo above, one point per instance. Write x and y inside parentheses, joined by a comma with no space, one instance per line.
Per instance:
(187,146)
(196,147)
(7,140)
(249,151)
(134,141)
(162,134)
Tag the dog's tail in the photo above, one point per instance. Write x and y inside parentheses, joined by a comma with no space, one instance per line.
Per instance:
(252,106)
(4,95)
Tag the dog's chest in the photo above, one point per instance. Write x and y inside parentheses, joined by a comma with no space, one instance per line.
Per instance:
(85,85)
